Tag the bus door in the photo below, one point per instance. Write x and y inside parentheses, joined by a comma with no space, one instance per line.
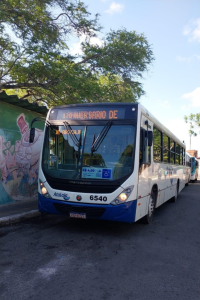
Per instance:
(145,165)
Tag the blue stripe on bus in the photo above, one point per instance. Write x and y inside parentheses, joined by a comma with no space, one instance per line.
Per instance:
(121,213)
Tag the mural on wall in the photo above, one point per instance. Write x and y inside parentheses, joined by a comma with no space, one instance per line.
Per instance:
(19,162)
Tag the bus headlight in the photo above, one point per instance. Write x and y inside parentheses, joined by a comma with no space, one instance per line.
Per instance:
(43,190)
(123,196)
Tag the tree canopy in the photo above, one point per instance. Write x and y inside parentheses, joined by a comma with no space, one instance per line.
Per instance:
(194,121)
(35,57)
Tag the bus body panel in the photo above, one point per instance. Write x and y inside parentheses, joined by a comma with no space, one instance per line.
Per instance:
(85,197)
(142,207)
(188,167)
(164,175)
(121,213)
(194,168)
(144,171)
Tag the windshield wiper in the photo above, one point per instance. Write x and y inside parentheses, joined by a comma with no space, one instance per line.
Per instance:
(79,147)
(72,135)
(98,141)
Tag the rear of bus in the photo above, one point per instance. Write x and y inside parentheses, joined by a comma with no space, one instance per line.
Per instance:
(194,169)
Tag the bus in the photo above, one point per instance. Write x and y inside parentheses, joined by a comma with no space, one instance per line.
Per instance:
(194,168)
(108,161)
(188,167)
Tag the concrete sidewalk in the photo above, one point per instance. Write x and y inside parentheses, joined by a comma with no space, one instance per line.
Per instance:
(18,211)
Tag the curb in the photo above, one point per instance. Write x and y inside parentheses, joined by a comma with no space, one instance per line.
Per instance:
(19,217)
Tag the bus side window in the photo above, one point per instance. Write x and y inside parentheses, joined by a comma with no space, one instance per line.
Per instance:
(157,145)
(149,154)
(142,149)
(142,133)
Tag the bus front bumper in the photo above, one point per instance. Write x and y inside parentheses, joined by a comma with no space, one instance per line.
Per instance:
(122,213)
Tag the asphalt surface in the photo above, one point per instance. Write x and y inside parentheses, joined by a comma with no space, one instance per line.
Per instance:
(54,257)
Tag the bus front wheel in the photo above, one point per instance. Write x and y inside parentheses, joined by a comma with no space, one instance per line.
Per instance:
(151,208)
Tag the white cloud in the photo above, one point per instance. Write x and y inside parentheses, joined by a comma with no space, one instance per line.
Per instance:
(186,30)
(115,8)
(76,48)
(197,56)
(196,32)
(185,107)
(192,30)
(184,59)
(193,97)
(188,59)
(163,103)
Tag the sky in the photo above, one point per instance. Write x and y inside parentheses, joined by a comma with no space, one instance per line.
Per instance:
(172,28)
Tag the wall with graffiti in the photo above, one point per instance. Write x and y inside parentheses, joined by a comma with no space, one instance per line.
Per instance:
(18,159)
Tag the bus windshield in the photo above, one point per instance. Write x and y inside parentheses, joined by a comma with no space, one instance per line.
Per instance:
(89,152)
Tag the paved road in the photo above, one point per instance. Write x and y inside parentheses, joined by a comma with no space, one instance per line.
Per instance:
(52,257)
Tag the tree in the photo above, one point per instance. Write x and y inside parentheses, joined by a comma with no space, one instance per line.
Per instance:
(36,58)
(194,121)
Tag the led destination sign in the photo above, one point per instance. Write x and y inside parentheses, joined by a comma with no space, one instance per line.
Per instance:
(88,114)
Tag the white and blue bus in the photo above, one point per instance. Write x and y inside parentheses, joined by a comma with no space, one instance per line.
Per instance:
(194,168)
(112,161)
(188,166)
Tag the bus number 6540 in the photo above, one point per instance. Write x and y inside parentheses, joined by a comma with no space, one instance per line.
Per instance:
(95,198)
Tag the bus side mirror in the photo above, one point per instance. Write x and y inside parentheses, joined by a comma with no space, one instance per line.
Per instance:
(32,135)
(150,138)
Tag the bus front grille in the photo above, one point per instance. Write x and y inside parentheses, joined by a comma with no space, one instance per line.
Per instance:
(91,212)
(92,189)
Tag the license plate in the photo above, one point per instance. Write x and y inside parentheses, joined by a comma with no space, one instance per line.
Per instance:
(77,215)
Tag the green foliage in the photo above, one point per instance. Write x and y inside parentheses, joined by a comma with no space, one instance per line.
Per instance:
(19,92)
(194,121)
(35,59)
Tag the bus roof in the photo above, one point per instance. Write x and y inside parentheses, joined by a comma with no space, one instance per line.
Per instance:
(141,108)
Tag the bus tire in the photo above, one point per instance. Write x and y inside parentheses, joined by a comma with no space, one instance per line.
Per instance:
(174,198)
(151,208)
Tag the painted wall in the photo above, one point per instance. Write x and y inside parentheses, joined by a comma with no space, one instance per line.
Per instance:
(18,158)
